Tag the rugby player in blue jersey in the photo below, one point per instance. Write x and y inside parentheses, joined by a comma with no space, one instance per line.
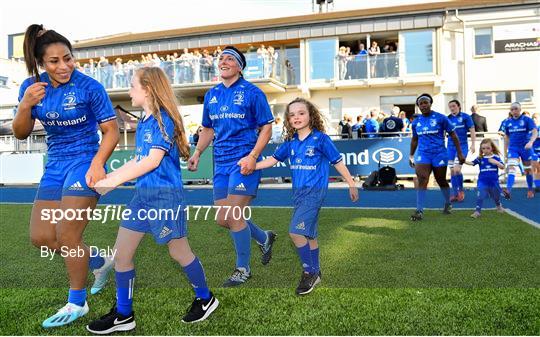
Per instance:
(237,117)
(463,125)
(429,130)
(520,135)
(310,152)
(160,142)
(72,108)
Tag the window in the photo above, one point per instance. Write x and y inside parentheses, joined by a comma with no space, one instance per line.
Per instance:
(336,105)
(483,41)
(524,96)
(504,97)
(321,59)
(292,65)
(483,98)
(418,51)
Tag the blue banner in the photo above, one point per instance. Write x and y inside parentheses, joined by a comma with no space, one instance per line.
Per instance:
(360,155)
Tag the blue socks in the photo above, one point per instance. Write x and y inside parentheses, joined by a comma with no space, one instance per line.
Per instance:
(529,178)
(459,179)
(95,261)
(420,199)
(195,274)
(305,257)
(124,292)
(77,296)
(315,266)
(257,233)
(454,183)
(510,182)
(242,245)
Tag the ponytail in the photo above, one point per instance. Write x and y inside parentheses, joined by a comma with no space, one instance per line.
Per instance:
(36,39)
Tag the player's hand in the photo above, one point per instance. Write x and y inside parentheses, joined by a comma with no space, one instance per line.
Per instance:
(94,174)
(193,163)
(34,93)
(104,186)
(528,146)
(472,149)
(461,158)
(247,165)
(353,193)
(411,161)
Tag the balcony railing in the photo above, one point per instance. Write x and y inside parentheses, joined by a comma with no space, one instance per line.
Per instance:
(362,67)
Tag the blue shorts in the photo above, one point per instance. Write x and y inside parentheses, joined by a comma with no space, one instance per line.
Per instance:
(65,178)
(165,219)
(305,220)
(452,155)
(229,180)
(524,154)
(433,159)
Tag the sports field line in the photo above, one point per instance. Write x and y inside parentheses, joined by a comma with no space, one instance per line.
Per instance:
(522,218)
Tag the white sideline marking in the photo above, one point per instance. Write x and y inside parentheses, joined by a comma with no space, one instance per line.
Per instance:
(522,218)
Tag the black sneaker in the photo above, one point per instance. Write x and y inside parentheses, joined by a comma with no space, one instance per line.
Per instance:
(111,322)
(506,194)
(307,283)
(447,208)
(238,277)
(417,215)
(200,309)
(266,249)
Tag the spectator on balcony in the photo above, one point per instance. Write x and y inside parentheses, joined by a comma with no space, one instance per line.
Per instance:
(342,62)
(357,128)
(374,51)
(105,73)
(186,67)
(360,63)
(156,60)
(371,124)
(272,62)
(216,55)
(119,80)
(206,66)
(346,127)
(168,67)
(130,68)
(390,60)
(92,66)
(196,66)
(350,64)
(392,125)
(291,79)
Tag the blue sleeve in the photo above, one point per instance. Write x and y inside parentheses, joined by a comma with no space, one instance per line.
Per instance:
(497,158)
(159,139)
(376,125)
(282,152)
(263,114)
(476,161)
(447,126)
(531,125)
(329,150)
(22,90)
(101,105)
(206,121)
(469,122)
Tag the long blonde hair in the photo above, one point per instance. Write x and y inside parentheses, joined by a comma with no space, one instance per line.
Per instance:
(161,95)
(494,147)
(316,120)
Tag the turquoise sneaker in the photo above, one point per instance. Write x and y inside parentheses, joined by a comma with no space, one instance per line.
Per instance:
(66,315)
(101,276)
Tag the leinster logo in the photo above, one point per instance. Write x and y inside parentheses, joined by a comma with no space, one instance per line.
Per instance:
(52,115)
(238,97)
(70,101)
(147,137)
(433,122)
(387,155)
(460,119)
(310,151)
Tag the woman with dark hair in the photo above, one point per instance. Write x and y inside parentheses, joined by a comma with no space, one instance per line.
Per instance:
(71,106)
(429,130)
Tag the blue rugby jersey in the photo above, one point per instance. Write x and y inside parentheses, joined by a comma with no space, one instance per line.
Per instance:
(70,114)
(149,136)
(489,173)
(310,161)
(235,114)
(518,131)
(536,144)
(462,122)
(430,132)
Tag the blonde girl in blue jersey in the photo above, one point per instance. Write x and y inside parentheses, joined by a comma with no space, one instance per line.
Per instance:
(310,152)
(71,107)
(160,142)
